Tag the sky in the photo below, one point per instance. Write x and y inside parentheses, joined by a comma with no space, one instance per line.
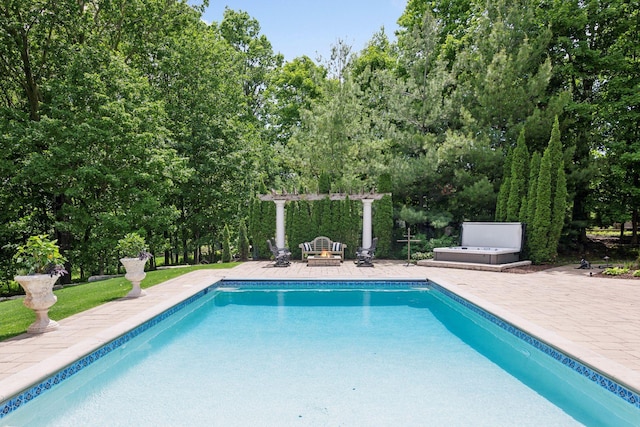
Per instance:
(310,27)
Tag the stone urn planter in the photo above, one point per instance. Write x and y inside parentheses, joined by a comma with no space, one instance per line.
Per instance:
(135,274)
(39,298)
(42,262)
(133,247)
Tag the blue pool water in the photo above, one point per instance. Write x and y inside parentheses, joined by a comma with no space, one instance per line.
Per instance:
(402,355)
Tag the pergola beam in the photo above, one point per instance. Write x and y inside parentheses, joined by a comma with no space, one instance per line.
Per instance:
(314,196)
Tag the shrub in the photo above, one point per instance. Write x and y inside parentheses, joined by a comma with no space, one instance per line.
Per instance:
(40,255)
(636,273)
(615,271)
(133,245)
(417,256)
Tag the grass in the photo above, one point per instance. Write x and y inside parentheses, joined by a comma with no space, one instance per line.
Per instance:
(607,232)
(75,299)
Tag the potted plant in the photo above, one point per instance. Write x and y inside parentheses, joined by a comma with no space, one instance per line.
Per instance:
(40,261)
(135,255)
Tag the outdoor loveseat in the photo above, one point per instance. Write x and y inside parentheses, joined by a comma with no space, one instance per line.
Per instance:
(321,245)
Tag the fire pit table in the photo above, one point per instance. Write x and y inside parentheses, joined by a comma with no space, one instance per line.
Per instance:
(323,261)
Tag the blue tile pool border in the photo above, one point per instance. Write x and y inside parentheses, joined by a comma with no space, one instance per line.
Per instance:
(623,392)
(13,403)
(333,283)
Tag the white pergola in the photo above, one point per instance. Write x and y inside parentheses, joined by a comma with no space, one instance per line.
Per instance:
(281,199)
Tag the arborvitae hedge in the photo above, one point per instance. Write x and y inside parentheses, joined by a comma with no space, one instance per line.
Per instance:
(307,233)
(324,217)
(324,183)
(383,217)
(383,225)
(291,228)
(352,218)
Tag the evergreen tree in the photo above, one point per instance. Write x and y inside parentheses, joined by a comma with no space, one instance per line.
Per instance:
(226,244)
(534,171)
(505,189)
(518,181)
(324,183)
(522,215)
(557,160)
(540,250)
(559,211)
(243,241)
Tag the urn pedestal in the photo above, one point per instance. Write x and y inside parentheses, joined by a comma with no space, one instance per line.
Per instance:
(39,298)
(135,274)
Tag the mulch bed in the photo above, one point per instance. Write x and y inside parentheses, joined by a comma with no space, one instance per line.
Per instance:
(526,269)
(599,273)
(596,272)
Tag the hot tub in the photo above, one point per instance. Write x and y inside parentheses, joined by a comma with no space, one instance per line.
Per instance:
(481,255)
(485,243)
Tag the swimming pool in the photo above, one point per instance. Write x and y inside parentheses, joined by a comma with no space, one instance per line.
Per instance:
(298,353)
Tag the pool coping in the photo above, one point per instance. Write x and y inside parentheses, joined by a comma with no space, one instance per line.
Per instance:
(22,381)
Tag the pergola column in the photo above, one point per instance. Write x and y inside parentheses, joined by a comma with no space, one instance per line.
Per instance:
(280,223)
(366,222)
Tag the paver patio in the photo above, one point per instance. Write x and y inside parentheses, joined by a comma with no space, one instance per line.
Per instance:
(595,320)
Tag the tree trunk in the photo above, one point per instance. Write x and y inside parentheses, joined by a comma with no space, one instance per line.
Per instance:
(196,249)
(634,226)
(167,253)
(32,91)
(64,238)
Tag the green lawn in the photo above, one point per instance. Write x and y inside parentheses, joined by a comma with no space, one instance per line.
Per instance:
(15,317)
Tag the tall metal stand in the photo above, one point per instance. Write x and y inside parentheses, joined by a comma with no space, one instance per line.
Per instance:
(408,241)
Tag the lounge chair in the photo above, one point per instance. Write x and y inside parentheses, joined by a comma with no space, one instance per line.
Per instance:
(281,255)
(364,256)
